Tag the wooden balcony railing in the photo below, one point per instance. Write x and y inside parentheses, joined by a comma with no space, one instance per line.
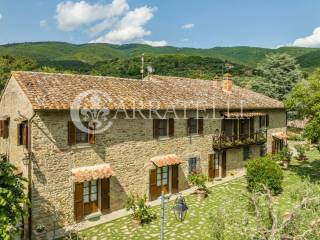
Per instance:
(221,141)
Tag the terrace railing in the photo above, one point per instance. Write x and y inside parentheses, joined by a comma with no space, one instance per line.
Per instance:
(222,141)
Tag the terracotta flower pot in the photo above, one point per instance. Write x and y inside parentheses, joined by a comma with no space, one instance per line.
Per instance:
(136,221)
(285,164)
(201,194)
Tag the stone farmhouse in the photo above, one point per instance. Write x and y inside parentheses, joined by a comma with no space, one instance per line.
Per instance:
(75,175)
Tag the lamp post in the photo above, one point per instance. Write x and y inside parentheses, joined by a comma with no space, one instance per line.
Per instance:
(180,209)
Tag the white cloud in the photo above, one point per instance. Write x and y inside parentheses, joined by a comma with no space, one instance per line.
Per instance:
(156,43)
(72,15)
(187,26)
(43,24)
(0,16)
(109,23)
(310,41)
(129,28)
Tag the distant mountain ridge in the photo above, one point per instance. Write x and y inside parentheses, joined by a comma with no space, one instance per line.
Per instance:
(308,58)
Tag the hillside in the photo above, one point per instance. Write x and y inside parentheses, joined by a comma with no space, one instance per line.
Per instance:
(46,52)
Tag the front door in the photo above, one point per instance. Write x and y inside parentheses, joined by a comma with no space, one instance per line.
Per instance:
(224,163)
(159,181)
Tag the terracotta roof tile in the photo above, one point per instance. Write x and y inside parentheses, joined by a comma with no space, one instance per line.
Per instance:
(55,91)
(167,160)
(84,174)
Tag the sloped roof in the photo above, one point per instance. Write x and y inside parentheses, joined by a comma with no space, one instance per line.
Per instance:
(53,91)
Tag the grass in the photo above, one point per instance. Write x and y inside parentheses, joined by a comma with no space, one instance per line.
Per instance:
(224,202)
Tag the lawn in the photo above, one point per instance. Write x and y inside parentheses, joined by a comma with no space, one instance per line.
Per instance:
(224,201)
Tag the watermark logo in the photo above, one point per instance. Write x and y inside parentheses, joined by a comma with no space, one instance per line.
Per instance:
(89,112)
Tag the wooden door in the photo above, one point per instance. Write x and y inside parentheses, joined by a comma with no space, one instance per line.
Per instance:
(78,202)
(273,151)
(224,163)
(175,179)
(216,165)
(153,191)
(211,172)
(105,195)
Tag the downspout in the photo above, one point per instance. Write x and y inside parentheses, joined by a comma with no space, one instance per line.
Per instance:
(30,176)
(29,149)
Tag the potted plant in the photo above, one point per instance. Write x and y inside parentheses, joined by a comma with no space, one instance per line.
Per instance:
(285,157)
(301,149)
(141,212)
(199,179)
(39,231)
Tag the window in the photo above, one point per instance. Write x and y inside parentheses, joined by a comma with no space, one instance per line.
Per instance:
(90,196)
(246,153)
(76,136)
(4,129)
(264,121)
(195,126)
(23,134)
(163,128)
(162,176)
(82,137)
(192,165)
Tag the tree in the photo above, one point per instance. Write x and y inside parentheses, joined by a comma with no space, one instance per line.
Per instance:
(8,64)
(12,199)
(277,74)
(304,102)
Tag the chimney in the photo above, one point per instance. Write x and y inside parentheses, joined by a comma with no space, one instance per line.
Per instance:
(217,82)
(227,82)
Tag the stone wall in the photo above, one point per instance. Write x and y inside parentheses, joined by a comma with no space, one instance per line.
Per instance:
(128,146)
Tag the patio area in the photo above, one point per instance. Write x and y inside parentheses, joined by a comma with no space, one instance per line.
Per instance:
(225,200)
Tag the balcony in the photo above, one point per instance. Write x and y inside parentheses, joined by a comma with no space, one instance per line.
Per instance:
(220,141)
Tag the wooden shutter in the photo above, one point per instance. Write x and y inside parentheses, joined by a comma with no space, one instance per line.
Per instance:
(267,120)
(2,128)
(6,129)
(25,137)
(156,123)
(92,135)
(175,179)
(210,167)
(71,133)
(105,194)
(153,191)
(200,126)
(171,127)
(78,202)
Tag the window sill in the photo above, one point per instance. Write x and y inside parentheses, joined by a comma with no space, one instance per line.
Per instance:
(163,138)
(81,146)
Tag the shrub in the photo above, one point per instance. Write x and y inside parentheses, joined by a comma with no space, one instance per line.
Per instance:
(140,210)
(198,179)
(264,172)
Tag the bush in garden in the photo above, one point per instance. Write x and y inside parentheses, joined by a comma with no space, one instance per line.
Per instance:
(140,210)
(264,172)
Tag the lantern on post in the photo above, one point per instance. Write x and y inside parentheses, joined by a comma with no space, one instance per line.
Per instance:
(180,208)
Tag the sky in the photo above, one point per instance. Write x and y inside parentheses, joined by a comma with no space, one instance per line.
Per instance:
(182,23)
